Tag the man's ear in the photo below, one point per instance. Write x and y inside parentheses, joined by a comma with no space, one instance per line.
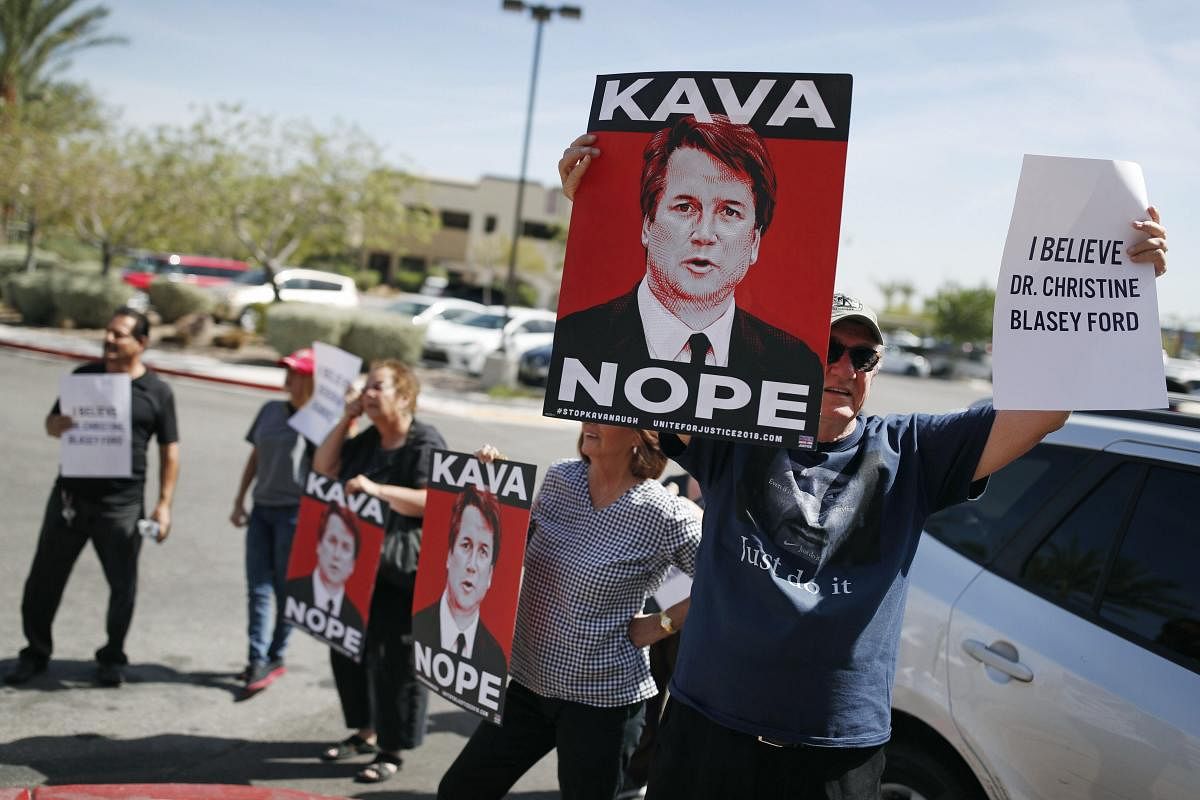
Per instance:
(754,246)
(646,231)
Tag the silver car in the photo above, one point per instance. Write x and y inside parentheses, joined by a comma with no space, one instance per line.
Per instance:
(1051,644)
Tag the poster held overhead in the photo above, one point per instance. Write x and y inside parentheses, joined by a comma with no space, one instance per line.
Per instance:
(331,569)
(701,257)
(98,445)
(335,371)
(469,577)
(1076,323)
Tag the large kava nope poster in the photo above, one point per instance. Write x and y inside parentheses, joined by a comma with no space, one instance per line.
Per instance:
(701,257)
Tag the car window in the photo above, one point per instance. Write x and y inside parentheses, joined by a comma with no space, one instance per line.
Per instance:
(489,321)
(252,277)
(294,283)
(211,272)
(1069,564)
(456,314)
(540,326)
(978,529)
(1153,589)
(410,307)
(325,286)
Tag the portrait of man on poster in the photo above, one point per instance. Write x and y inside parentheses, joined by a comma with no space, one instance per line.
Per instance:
(338,544)
(708,194)
(453,623)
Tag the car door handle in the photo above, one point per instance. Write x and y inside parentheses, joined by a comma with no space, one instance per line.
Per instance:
(1004,662)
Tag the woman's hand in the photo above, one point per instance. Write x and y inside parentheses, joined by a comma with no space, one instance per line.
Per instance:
(487,454)
(1153,250)
(645,630)
(575,161)
(361,483)
(354,405)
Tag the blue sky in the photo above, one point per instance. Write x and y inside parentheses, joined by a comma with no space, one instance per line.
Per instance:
(947,96)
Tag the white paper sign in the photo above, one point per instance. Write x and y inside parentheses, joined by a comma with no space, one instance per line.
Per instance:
(99,443)
(1076,323)
(675,587)
(335,371)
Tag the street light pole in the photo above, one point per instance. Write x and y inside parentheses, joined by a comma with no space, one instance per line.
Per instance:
(541,15)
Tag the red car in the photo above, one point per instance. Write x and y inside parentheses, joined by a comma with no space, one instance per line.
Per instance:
(198,270)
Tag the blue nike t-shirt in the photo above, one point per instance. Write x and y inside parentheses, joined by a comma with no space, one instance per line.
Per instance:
(802,572)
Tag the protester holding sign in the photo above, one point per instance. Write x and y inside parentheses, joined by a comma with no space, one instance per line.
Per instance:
(103,510)
(603,533)
(277,466)
(783,686)
(389,461)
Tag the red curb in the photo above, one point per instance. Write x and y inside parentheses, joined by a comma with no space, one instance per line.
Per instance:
(179,373)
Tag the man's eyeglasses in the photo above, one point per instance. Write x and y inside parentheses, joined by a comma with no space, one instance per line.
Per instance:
(862,358)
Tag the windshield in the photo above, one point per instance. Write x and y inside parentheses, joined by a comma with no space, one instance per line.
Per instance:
(457,314)
(252,277)
(410,307)
(490,321)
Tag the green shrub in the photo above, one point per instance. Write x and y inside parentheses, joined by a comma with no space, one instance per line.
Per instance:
(12,259)
(377,335)
(290,326)
(89,300)
(173,300)
(365,279)
(408,280)
(32,295)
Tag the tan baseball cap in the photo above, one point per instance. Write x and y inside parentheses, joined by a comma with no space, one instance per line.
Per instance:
(847,307)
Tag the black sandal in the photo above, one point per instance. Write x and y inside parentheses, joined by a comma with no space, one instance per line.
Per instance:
(383,767)
(350,746)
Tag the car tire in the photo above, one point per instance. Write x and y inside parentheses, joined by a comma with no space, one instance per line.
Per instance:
(916,771)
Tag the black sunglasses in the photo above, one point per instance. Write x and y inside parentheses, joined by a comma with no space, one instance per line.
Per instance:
(862,358)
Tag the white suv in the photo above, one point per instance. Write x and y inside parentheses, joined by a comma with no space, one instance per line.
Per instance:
(237,300)
(1051,644)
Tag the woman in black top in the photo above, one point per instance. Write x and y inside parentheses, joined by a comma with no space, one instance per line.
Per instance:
(391,461)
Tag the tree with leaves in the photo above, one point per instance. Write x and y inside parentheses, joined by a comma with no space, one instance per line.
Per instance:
(962,315)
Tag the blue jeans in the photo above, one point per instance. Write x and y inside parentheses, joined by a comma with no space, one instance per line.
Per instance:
(268,545)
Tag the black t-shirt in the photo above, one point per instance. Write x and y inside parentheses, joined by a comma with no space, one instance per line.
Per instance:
(408,465)
(152,411)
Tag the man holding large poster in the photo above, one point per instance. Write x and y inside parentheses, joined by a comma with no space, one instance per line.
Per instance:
(716,326)
(108,511)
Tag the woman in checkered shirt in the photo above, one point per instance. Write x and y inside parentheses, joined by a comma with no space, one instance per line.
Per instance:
(603,533)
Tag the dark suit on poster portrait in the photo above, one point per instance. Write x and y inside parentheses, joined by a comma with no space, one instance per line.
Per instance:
(614,330)
(301,588)
(486,653)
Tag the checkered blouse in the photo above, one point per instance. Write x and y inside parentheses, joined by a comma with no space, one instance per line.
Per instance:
(587,573)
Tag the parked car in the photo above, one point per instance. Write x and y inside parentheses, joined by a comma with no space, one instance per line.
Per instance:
(466,344)
(904,362)
(425,309)
(1183,375)
(1051,643)
(238,301)
(198,270)
(534,366)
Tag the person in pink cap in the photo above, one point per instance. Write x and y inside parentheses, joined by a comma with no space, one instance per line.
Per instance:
(277,466)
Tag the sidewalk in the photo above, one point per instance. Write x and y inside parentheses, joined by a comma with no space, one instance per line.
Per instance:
(456,401)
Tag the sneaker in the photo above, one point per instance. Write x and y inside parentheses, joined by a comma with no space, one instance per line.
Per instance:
(632,793)
(110,675)
(263,675)
(25,669)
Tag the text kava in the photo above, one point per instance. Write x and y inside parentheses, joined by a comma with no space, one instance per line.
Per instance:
(331,491)
(801,101)
(472,472)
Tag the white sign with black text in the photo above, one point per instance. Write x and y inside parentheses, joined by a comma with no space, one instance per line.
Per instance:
(335,371)
(98,443)
(1076,323)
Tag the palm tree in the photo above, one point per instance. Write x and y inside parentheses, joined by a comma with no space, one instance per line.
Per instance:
(36,37)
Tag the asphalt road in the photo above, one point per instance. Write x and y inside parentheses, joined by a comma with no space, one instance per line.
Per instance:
(176,720)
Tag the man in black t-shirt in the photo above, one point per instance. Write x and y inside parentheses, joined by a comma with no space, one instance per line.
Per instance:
(103,510)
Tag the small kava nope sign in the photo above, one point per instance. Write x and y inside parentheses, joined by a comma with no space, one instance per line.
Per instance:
(469,576)
(700,263)
(331,571)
